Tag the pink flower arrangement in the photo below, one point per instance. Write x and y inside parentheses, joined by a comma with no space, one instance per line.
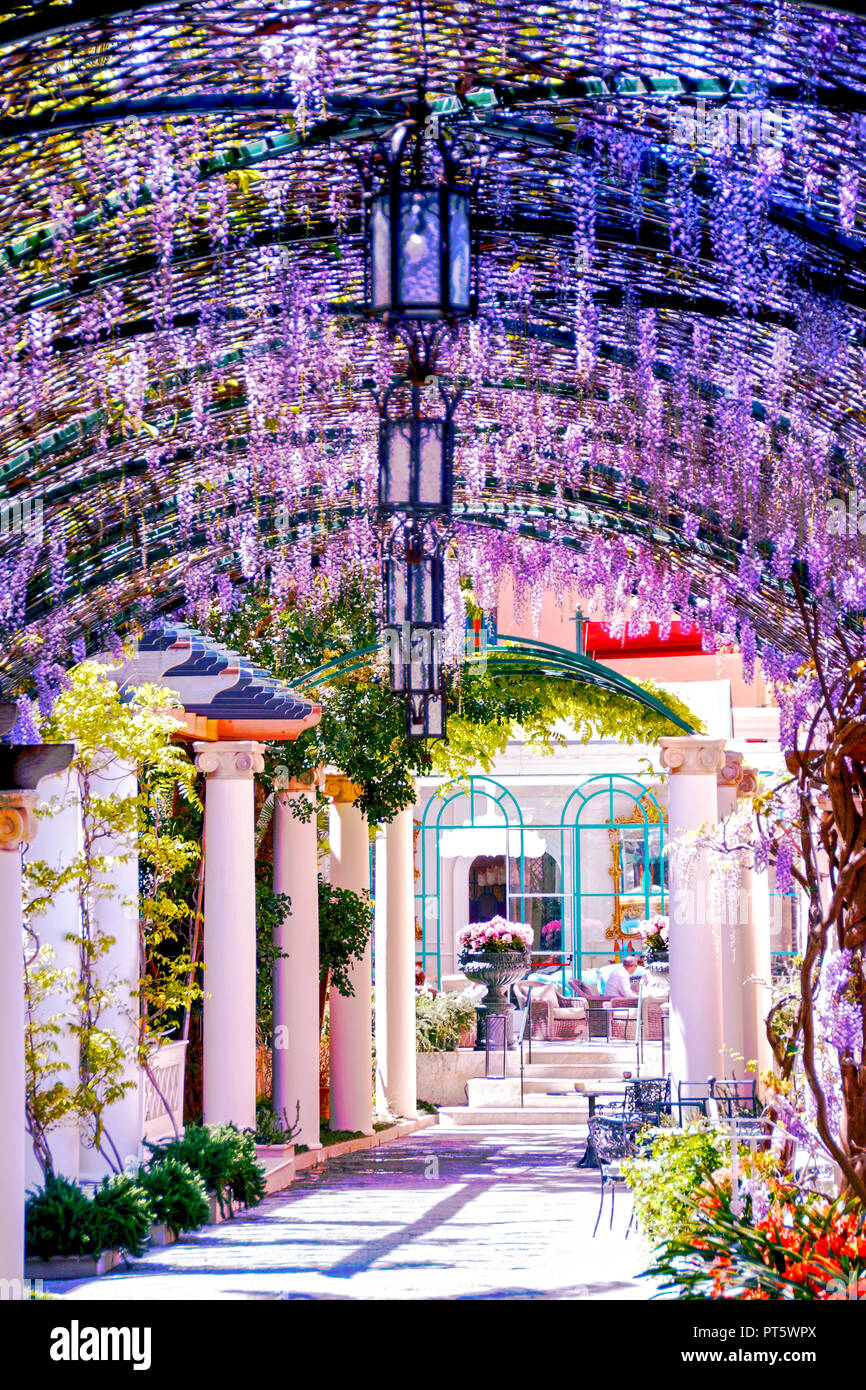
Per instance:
(495,935)
(550,933)
(654,932)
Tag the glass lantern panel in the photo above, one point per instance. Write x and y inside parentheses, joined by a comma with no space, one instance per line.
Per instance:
(458,229)
(392,644)
(380,250)
(435,716)
(398,454)
(396,594)
(431,463)
(420,669)
(422,593)
(418,249)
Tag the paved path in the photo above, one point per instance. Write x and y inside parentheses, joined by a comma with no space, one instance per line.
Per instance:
(444,1214)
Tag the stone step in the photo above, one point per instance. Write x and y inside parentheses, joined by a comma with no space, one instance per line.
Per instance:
(577,1071)
(548,1054)
(512,1115)
(492,1095)
(548,1085)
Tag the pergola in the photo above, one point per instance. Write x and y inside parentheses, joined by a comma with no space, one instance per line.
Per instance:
(187,368)
(662,392)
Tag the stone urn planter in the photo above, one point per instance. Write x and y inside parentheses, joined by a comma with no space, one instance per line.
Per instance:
(656,961)
(497,970)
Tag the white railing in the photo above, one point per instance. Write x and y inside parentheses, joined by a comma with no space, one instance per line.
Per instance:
(162,1104)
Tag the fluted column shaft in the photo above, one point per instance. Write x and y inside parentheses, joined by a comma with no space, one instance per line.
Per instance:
(117,970)
(229,931)
(296,974)
(17,826)
(395,968)
(351,1016)
(58,842)
(756,961)
(695,957)
(732,934)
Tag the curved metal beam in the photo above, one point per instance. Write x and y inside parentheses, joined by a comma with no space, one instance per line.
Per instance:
(518,656)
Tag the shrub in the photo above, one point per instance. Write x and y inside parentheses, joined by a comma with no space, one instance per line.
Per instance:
(59,1220)
(441,1019)
(121,1214)
(269,1129)
(176,1194)
(801,1246)
(224,1157)
(664,1185)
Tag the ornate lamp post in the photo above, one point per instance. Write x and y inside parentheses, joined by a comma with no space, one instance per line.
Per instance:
(420,262)
(416,451)
(420,279)
(412,583)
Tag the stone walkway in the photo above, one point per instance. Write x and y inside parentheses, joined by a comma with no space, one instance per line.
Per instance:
(444,1214)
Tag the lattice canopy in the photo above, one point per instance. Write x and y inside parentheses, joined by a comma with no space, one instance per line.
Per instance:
(663,393)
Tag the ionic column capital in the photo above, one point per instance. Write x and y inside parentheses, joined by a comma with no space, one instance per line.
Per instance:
(340,789)
(17,819)
(306,781)
(748,783)
(689,756)
(731,771)
(225,762)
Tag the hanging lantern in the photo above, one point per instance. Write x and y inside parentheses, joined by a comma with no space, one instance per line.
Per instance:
(419,262)
(417,660)
(413,578)
(425,716)
(416,452)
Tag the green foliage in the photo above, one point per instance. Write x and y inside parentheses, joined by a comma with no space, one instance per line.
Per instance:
(176,1194)
(488,707)
(136,730)
(328,1136)
(363,729)
(270,1129)
(363,732)
(271,908)
(121,1215)
(345,924)
(441,1020)
(225,1158)
(59,1220)
(664,1185)
(804,1247)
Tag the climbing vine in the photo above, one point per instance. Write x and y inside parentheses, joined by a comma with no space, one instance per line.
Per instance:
(117,1023)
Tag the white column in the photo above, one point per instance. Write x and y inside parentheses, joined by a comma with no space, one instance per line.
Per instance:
(58,842)
(296,977)
(17,825)
(229,931)
(351,1017)
(115,919)
(395,968)
(695,963)
(732,936)
(757,987)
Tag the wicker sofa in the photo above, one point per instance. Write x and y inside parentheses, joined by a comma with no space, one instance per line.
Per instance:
(553,1015)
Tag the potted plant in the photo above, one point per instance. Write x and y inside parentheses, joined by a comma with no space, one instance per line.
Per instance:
(495,954)
(654,932)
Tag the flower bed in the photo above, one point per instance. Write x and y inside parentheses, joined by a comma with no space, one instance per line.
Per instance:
(784,1244)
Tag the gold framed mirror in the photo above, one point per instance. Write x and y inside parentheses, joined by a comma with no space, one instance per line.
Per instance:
(636,869)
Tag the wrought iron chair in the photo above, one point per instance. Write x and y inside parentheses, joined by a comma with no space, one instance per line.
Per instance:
(693,1095)
(736,1099)
(648,1097)
(612,1142)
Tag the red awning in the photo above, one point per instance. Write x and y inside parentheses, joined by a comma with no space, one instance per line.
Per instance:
(601,646)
